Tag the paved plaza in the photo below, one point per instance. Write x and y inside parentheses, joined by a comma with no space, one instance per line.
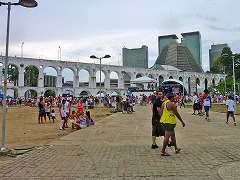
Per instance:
(119,147)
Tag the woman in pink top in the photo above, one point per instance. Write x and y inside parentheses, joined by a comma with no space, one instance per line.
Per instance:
(80,105)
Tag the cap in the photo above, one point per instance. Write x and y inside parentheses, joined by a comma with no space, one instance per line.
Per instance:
(170,95)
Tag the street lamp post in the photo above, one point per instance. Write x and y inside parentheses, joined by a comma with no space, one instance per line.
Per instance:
(22,49)
(225,88)
(100,88)
(24,3)
(234,81)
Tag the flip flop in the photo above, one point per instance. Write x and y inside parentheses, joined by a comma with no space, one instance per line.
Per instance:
(165,154)
(177,150)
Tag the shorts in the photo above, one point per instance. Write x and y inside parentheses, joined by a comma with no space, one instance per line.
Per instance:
(230,113)
(158,129)
(41,112)
(199,106)
(82,126)
(48,114)
(195,106)
(169,127)
(206,108)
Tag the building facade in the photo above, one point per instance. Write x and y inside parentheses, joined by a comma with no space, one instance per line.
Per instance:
(215,52)
(165,40)
(193,41)
(135,57)
(178,56)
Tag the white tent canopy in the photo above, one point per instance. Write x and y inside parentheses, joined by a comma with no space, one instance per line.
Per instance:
(114,93)
(172,80)
(143,79)
(102,95)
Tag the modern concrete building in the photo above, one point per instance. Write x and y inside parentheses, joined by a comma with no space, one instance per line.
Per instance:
(193,41)
(215,52)
(135,57)
(178,56)
(185,55)
(165,40)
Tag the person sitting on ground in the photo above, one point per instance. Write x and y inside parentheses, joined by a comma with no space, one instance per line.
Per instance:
(80,122)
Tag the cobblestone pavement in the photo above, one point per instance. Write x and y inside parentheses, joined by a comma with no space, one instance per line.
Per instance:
(118,147)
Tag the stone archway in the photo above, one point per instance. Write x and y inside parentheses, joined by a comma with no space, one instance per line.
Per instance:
(49,93)
(30,94)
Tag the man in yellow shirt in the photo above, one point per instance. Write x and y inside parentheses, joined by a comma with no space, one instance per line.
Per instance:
(168,115)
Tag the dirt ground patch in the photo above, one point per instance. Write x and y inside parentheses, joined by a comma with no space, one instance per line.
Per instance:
(23,130)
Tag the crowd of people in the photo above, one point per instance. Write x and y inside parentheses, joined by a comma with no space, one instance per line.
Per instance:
(67,114)
(165,113)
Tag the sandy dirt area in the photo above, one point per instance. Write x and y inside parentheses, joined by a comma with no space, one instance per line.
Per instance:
(23,130)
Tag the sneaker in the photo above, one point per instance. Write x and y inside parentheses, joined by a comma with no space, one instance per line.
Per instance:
(154,146)
(193,114)
(226,122)
(235,124)
(205,118)
(208,119)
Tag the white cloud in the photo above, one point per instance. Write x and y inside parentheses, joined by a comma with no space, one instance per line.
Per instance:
(83,28)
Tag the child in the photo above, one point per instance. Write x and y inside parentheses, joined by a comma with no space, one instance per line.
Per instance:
(53,116)
(89,119)
(230,109)
(73,118)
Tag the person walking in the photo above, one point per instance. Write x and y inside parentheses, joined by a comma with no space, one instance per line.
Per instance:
(63,115)
(182,101)
(195,103)
(230,109)
(157,128)
(168,115)
(206,104)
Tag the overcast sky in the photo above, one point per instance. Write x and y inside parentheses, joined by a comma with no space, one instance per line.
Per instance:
(85,27)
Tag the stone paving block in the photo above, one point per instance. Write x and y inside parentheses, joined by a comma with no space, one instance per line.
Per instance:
(119,148)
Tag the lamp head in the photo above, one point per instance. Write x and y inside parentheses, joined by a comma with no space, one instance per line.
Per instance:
(93,57)
(107,56)
(225,55)
(28,3)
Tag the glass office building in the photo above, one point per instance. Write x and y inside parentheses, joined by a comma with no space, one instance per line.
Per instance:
(215,52)
(135,57)
(193,41)
(165,40)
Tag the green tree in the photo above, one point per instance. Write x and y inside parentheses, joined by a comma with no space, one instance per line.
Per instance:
(31,76)
(225,62)
(13,74)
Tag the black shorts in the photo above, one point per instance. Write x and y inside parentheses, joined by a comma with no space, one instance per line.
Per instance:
(230,113)
(158,129)
(48,114)
(206,108)
(169,127)
(195,106)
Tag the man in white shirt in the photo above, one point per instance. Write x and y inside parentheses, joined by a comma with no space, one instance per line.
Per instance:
(230,108)
(67,109)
